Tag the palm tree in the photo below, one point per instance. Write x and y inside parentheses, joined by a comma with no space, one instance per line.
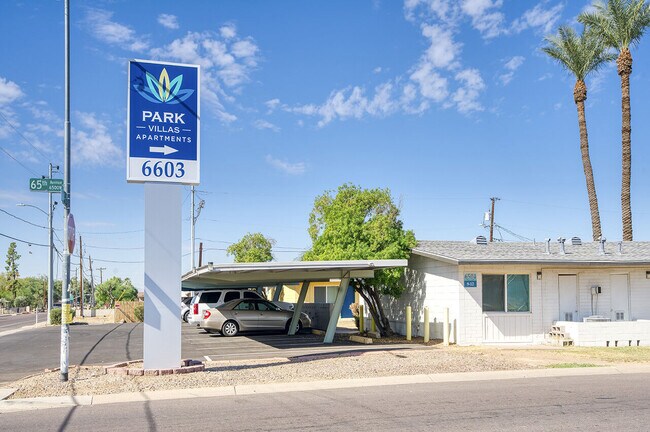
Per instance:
(580,55)
(621,24)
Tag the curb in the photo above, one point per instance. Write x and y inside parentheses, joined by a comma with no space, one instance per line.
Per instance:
(14,405)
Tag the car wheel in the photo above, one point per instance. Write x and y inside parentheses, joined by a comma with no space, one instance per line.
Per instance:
(229,329)
(185,315)
(286,328)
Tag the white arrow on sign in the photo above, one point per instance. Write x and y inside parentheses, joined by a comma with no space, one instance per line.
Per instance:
(165,150)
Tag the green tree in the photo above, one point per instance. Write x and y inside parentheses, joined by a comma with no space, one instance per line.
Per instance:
(362,224)
(34,290)
(581,55)
(115,289)
(621,24)
(12,268)
(252,248)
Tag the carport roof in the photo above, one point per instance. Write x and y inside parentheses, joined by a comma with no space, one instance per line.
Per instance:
(255,274)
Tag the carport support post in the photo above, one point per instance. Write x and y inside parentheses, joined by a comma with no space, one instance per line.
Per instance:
(336,312)
(296,311)
(278,291)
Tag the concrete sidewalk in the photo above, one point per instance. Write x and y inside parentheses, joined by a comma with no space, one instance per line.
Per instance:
(7,406)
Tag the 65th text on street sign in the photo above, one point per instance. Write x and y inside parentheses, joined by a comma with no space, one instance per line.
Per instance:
(45,185)
(163,137)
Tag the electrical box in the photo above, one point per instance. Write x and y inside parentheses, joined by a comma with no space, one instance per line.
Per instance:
(596,289)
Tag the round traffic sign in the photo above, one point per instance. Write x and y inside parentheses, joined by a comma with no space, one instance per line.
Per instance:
(71,233)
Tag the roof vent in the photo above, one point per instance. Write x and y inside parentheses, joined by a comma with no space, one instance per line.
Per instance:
(620,248)
(561,240)
(601,247)
(576,241)
(480,240)
(548,246)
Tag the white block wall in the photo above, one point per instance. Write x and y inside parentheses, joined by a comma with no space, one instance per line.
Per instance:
(615,333)
(430,283)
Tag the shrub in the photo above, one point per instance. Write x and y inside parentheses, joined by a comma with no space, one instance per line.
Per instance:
(55,315)
(20,301)
(138,311)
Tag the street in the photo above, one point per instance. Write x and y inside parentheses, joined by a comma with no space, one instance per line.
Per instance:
(603,402)
(12,322)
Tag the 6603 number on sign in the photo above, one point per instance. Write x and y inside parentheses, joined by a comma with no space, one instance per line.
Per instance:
(167,169)
(161,170)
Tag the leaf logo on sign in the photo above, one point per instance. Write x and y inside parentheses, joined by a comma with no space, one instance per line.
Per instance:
(163,90)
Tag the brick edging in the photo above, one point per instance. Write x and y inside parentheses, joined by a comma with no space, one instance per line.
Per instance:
(123,369)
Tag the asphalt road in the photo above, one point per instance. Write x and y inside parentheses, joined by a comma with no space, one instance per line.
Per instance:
(597,403)
(12,322)
(31,351)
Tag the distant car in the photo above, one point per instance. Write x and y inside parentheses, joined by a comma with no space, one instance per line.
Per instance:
(203,300)
(185,308)
(249,314)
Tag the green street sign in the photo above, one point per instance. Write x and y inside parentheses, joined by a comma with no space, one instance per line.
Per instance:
(45,185)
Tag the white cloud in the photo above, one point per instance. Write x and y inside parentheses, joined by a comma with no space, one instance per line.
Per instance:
(168,21)
(228,31)
(287,167)
(485,16)
(9,91)
(538,18)
(443,50)
(511,67)
(263,124)
(377,70)
(92,143)
(431,84)
(100,23)
(272,104)
(466,96)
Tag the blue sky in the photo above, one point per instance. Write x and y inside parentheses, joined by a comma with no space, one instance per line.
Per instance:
(446,103)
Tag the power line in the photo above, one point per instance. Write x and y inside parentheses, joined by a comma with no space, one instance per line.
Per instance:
(23,220)
(24,241)
(19,162)
(23,136)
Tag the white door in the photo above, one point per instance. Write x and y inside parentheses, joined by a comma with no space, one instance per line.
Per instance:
(568,287)
(620,297)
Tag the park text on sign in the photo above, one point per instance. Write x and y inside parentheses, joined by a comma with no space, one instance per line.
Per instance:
(163,123)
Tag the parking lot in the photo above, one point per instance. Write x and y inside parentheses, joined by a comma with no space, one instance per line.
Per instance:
(33,350)
(214,347)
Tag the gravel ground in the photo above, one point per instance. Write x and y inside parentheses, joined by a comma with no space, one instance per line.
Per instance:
(92,381)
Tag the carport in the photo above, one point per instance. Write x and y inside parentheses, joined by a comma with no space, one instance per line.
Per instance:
(256,275)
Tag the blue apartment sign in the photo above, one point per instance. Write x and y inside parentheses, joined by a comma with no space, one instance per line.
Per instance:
(470,280)
(163,117)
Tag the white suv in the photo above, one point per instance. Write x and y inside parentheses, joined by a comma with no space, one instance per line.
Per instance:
(204,300)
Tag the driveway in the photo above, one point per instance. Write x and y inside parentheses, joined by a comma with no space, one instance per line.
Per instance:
(32,351)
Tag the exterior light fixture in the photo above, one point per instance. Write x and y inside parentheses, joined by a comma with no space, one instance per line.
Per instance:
(647,274)
(539,275)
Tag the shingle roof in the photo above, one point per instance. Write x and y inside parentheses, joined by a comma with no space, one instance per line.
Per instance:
(466,252)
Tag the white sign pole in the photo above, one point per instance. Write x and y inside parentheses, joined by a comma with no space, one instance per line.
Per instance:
(162,275)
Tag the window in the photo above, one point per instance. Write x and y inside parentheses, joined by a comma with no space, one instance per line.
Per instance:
(506,293)
(251,295)
(265,306)
(231,295)
(245,305)
(325,294)
(210,297)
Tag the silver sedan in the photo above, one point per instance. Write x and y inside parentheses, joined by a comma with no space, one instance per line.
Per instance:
(249,314)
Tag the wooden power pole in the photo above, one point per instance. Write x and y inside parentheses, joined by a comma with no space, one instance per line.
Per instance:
(493,199)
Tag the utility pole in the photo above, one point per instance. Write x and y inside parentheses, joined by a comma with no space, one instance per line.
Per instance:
(81,282)
(101,274)
(65,295)
(50,253)
(92,287)
(493,199)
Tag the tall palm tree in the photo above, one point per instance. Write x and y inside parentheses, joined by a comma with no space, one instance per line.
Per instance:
(580,55)
(621,24)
